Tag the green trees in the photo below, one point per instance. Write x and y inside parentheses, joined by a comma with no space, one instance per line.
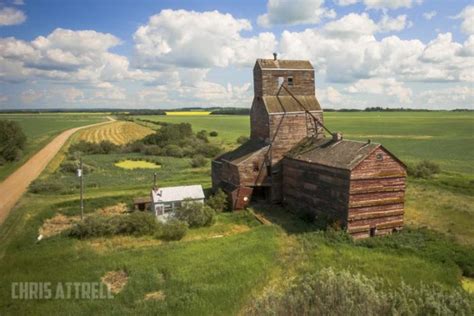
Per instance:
(12,141)
(195,214)
(218,201)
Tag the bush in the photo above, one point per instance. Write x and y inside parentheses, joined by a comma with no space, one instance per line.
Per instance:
(198,161)
(136,224)
(173,229)
(424,169)
(71,166)
(173,151)
(242,139)
(45,186)
(213,134)
(218,202)
(152,150)
(12,140)
(195,214)
(343,293)
(208,150)
(104,147)
(202,135)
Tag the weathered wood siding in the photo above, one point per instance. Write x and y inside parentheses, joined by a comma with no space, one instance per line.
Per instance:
(259,120)
(377,194)
(311,187)
(253,171)
(266,81)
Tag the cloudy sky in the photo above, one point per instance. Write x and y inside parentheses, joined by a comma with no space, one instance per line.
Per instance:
(171,53)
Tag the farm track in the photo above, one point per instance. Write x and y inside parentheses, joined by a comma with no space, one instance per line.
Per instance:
(13,187)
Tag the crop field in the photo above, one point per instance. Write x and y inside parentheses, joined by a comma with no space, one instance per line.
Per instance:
(224,268)
(41,128)
(118,133)
(188,113)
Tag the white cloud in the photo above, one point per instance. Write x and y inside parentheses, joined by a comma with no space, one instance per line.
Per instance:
(346,50)
(11,16)
(18,2)
(429,15)
(198,40)
(467,15)
(461,96)
(388,24)
(293,12)
(66,55)
(388,86)
(381,4)
(3,98)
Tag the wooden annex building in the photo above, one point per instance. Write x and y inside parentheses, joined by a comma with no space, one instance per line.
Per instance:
(290,159)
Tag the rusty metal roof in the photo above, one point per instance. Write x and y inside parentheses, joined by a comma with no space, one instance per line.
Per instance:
(243,152)
(284,64)
(279,104)
(343,154)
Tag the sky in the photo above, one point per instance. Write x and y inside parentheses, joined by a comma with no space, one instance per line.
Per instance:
(150,54)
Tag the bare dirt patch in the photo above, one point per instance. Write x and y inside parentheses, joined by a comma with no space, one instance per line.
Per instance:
(115,280)
(155,296)
(57,224)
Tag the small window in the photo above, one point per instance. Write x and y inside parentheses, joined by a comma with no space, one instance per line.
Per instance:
(290,81)
(379,157)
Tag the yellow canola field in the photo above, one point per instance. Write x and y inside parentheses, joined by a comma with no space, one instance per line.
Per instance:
(188,113)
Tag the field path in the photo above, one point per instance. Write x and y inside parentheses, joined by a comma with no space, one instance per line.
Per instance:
(13,187)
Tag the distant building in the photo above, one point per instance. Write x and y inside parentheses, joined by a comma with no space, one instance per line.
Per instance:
(164,201)
(288,158)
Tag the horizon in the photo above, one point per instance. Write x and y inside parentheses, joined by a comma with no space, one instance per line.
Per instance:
(86,55)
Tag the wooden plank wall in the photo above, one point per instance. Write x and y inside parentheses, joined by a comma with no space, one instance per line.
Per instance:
(377,194)
(308,186)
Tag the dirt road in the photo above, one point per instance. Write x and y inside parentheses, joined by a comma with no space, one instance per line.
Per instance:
(13,187)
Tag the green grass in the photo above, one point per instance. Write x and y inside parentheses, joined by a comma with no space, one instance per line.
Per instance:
(218,270)
(41,129)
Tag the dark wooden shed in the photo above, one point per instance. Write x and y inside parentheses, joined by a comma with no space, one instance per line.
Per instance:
(361,184)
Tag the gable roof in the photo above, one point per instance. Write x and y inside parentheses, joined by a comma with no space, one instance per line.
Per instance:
(174,194)
(343,154)
(280,104)
(243,152)
(284,64)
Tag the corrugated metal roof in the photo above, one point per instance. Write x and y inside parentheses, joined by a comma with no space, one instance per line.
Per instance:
(343,154)
(279,104)
(172,194)
(285,64)
(243,152)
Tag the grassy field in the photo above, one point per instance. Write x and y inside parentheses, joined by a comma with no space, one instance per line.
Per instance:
(41,128)
(119,133)
(219,270)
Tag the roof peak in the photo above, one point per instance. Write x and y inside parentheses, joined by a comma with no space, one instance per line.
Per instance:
(295,64)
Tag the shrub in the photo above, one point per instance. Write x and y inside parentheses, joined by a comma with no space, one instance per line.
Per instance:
(71,166)
(195,214)
(213,134)
(424,169)
(136,223)
(343,293)
(242,139)
(173,229)
(218,201)
(152,150)
(92,226)
(12,140)
(104,147)
(202,135)
(208,150)
(198,161)
(45,186)
(173,151)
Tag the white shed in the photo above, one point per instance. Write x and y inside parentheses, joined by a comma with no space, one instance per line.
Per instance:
(166,200)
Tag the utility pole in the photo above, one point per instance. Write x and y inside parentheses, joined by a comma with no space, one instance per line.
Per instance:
(80,174)
(154,180)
